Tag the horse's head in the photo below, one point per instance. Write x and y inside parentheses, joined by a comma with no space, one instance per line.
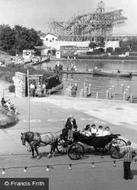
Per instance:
(23,138)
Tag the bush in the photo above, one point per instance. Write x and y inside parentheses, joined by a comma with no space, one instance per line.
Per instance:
(109,50)
(118,51)
(12,88)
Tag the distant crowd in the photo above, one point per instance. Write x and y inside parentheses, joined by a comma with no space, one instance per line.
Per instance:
(37,89)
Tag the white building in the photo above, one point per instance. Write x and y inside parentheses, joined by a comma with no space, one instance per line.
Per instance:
(112,44)
(49,39)
(28,54)
(50,42)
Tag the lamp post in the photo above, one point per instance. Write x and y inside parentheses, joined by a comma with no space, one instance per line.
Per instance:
(28,98)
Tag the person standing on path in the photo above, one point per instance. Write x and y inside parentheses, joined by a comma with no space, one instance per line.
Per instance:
(128,158)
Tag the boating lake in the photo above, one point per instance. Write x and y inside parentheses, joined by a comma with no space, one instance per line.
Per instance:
(100,84)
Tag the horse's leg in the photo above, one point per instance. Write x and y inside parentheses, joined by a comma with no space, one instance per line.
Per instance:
(32,150)
(52,149)
(36,150)
(50,153)
(55,146)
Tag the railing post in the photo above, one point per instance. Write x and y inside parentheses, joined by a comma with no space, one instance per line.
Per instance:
(124,95)
(96,95)
(107,94)
(81,92)
(89,89)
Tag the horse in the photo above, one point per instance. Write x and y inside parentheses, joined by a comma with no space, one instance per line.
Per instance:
(35,140)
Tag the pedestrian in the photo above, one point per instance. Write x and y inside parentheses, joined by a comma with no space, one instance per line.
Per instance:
(128,158)
(74,90)
(32,89)
(39,90)
(3,101)
(43,89)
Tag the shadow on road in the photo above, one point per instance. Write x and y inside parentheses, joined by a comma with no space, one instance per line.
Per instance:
(45,154)
(134,172)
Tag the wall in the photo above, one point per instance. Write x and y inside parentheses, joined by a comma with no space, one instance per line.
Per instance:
(20,82)
(58,44)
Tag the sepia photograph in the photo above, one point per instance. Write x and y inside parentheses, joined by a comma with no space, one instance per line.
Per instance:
(68,92)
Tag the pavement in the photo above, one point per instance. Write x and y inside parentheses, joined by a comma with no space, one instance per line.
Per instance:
(50,114)
(120,115)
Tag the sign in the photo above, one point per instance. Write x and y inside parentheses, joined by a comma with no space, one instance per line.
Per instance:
(24,183)
(73,48)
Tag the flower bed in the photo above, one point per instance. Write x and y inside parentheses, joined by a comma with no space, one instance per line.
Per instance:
(7,119)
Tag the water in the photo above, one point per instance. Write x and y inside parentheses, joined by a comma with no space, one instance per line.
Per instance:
(100,84)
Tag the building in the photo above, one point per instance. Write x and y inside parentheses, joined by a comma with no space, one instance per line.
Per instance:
(51,42)
(112,44)
(28,54)
(49,38)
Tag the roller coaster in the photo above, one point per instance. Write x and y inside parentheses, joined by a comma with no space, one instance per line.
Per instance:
(89,26)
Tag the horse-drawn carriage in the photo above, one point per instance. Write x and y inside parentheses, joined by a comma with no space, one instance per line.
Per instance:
(76,148)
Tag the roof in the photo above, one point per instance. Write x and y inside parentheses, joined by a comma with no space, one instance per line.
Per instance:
(50,34)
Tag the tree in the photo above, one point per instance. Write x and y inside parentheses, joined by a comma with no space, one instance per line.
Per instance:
(7,38)
(101,41)
(13,40)
(92,45)
(26,38)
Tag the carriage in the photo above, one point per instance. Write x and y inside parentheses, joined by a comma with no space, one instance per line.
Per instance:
(76,148)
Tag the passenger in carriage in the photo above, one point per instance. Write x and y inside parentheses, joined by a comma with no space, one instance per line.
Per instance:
(100,131)
(93,129)
(87,130)
(106,131)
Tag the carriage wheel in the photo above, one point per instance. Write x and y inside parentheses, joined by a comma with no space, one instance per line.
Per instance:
(76,151)
(115,153)
(62,147)
(115,146)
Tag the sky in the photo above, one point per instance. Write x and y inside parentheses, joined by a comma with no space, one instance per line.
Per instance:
(38,13)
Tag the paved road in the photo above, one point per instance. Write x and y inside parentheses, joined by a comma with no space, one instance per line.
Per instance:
(49,114)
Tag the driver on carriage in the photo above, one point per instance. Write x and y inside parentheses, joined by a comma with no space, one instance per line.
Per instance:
(69,128)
